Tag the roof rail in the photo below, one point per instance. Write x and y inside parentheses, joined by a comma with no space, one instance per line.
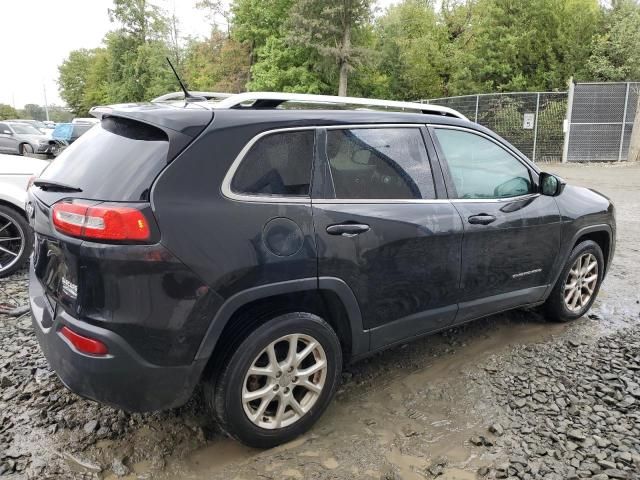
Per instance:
(274,99)
(168,97)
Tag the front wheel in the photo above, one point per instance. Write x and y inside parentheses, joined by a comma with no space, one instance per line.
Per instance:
(278,381)
(26,150)
(578,284)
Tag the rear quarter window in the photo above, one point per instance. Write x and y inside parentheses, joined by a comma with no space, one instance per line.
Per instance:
(115,160)
(277,164)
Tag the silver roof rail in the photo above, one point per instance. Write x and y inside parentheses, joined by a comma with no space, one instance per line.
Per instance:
(173,96)
(274,99)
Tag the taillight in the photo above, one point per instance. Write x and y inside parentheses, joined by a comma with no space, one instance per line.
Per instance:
(101,222)
(84,344)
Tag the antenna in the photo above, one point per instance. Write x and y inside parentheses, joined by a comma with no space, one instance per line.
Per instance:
(187,96)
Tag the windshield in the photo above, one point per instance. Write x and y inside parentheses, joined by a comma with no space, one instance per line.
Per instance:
(25,129)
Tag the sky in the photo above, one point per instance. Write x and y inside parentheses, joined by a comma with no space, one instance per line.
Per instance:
(38,35)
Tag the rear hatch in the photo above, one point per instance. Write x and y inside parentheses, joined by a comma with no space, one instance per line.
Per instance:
(108,171)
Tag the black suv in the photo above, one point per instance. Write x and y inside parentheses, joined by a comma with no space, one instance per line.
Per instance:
(256,248)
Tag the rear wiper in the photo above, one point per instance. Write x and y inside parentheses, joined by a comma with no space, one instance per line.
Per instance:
(48,185)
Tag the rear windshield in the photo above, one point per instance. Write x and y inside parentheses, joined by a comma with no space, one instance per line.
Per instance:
(115,160)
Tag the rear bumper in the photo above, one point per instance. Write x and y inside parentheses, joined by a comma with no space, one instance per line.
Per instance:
(122,378)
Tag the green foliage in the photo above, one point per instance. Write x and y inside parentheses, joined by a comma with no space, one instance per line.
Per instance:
(616,51)
(415,49)
(217,63)
(74,73)
(7,112)
(282,69)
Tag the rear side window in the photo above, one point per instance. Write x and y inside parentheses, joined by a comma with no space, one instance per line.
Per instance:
(115,160)
(277,164)
(379,163)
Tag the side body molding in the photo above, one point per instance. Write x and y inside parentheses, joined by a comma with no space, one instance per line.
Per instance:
(359,337)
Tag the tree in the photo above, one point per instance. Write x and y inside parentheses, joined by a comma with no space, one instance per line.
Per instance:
(255,21)
(7,112)
(138,50)
(327,27)
(281,68)
(616,51)
(139,20)
(33,111)
(73,73)
(218,63)
(410,50)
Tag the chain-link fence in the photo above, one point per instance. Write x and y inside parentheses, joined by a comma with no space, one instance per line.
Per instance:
(600,121)
(531,121)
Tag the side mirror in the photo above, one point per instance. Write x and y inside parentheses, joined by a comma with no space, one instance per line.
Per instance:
(7,132)
(550,184)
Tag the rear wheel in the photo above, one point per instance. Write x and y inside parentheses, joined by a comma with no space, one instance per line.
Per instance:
(278,381)
(15,240)
(578,284)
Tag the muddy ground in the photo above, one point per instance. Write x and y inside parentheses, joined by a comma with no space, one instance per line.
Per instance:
(510,396)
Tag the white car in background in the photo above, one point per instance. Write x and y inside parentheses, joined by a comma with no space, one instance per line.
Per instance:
(16,239)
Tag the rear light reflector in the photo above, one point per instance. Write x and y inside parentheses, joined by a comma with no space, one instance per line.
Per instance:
(84,344)
(101,222)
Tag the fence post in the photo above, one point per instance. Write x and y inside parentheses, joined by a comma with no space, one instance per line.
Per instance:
(535,126)
(624,122)
(477,101)
(565,148)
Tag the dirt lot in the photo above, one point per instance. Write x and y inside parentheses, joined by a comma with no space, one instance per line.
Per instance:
(510,396)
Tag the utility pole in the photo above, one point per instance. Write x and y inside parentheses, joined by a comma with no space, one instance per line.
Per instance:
(46,106)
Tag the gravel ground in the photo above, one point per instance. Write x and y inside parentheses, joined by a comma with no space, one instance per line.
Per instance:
(510,396)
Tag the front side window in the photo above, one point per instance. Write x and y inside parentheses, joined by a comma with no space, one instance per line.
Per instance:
(277,164)
(480,168)
(379,163)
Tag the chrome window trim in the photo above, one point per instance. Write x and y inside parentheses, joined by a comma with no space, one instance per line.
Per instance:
(364,201)
(495,200)
(246,197)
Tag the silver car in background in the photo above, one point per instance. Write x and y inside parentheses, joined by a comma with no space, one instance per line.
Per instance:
(25,139)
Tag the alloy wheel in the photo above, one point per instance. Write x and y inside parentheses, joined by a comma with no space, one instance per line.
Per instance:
(581,282)
(284,381)
(12,242)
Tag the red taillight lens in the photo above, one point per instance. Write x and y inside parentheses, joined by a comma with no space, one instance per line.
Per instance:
(84,344)
(101,222)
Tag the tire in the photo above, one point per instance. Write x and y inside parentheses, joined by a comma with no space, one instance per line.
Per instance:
(26,150)
(557,307)
(13,225)
(225,394)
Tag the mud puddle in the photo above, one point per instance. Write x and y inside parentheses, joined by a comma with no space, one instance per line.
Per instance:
(406,409)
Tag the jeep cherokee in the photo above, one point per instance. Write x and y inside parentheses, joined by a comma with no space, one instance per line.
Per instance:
(257,248)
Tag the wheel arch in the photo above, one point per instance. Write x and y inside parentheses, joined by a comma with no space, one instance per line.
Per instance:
(598,233)
(12,205)
(328,297)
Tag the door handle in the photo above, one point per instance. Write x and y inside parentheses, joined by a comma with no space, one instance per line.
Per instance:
(347,229)
(481,219)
